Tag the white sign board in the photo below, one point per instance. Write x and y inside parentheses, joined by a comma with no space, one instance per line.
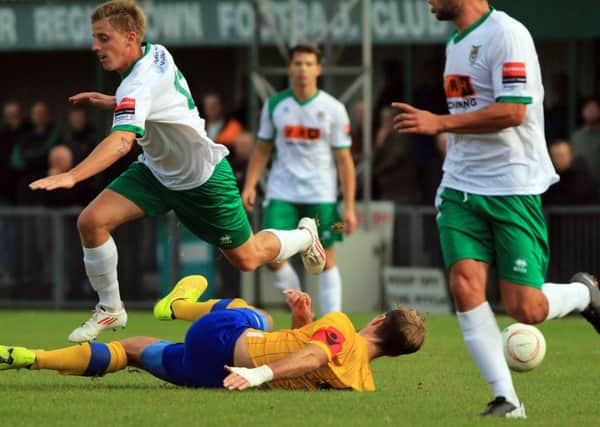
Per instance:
(421,288)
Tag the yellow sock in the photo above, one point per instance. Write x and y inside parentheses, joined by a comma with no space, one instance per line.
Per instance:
(89,359)
(191,311)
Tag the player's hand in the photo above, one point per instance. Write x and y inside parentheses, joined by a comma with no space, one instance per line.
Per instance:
(350,221)
(248,198)
(301,305)
(243,378)
(62,180)
(95,99)
(413,120)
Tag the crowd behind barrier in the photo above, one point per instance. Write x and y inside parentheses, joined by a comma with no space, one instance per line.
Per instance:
(406,170)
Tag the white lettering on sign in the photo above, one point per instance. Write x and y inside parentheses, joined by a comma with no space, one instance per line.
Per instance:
(235,19)
(8,28)
(178,21)
(392,19)
(62,24)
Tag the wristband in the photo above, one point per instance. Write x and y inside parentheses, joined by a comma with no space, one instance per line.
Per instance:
(255,376)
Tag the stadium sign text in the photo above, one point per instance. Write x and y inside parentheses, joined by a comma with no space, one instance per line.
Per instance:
(65,25)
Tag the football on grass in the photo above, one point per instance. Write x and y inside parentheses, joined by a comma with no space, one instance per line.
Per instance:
(524,347)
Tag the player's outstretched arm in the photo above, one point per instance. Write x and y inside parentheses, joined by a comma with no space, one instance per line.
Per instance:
(301,305)
(347,174)
(111,149)
(256,166)
(490,119)
(307,359)
(95,99)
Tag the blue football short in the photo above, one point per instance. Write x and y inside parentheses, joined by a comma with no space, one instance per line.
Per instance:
(209,345)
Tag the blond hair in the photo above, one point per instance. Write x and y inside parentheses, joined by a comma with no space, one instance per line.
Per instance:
(124,15)
(402,332)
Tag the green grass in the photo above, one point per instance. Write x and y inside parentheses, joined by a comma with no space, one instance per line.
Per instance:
(439,386)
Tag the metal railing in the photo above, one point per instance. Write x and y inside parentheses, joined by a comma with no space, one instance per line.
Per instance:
(41,259)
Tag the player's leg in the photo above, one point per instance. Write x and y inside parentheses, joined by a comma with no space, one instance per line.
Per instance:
(330,280)
(521,239)
(282,215)
(214,212)
(133,194)
(467,241)
(87,359)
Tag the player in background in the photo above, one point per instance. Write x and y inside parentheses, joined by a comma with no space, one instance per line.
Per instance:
(229,345)
(495,169)
(309,132)
(180,169)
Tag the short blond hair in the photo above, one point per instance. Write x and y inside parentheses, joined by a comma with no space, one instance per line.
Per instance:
(402,332)
(124,15)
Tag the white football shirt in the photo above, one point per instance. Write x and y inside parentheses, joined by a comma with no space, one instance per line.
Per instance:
(154,101)
(304,133)
(495,61)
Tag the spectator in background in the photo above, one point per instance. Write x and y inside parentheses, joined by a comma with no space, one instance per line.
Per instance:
(395,179)
(356,132)
(394,168)
(393,88)
(29,157)
(430,96)
(14,128)
(556,116)
(576,185)
(242,149)
(219,128)
(586,140)
(60,160)
(80,136)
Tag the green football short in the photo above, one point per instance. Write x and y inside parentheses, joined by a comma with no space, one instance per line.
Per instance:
(508,232)
(284,215)
(212,211)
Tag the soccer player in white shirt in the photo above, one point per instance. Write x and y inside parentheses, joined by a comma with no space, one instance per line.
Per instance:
(309,132)
(496,167)
(180,169)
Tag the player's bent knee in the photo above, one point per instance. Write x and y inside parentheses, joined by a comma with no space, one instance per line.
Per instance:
(245,264)
(88,222)
(526,313)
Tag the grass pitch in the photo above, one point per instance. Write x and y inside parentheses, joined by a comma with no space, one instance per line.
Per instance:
(438,386)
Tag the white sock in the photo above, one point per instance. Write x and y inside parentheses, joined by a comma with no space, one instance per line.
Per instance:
(484,341)
(101,268)
(564,298)
(286,278)
(291,241)
(330,286)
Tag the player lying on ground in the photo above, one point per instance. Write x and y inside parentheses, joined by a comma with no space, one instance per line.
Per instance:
(229,344)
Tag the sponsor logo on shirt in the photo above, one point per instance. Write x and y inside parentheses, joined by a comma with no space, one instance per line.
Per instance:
(514,72)
(459,86)
(301,132)
(125,110)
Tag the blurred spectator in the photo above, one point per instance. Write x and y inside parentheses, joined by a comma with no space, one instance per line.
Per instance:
(429,95)
(29,156)
(219,128)
(242,149)
(356,120)
(394,169)
(60,159)
(14,127)
(586,140)
(392,90)
(80,136)
(576,185)
(556,116)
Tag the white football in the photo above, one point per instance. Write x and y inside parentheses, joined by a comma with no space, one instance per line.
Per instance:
(524,347)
